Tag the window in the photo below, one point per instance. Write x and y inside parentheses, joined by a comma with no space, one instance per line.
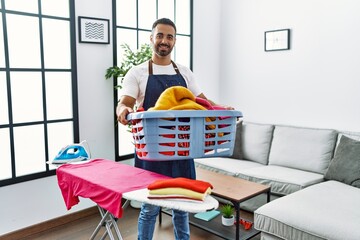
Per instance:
(133,22)
(38,113)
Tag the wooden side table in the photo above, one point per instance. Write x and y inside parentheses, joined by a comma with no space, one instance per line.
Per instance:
(232,189)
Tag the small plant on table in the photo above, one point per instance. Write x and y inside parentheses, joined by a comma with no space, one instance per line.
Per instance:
(227,212)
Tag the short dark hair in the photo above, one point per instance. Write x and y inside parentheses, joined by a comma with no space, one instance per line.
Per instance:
(165,21)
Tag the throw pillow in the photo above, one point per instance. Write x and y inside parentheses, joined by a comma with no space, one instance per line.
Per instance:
(345,166)
(237,145)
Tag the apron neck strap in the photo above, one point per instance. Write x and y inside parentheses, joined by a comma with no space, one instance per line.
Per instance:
(151,68)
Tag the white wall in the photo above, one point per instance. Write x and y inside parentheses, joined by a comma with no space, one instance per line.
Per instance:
(207,47)
(316,83)
(29,203)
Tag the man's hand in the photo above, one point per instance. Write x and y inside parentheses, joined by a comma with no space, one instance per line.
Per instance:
(121,112)
(214,104)
(124,107)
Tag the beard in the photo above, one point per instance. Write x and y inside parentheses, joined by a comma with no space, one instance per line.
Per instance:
(163,49)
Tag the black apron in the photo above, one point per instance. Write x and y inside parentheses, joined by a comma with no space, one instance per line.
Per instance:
(155,86)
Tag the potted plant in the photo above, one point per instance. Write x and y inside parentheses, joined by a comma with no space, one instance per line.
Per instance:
(227,217)
(131,58)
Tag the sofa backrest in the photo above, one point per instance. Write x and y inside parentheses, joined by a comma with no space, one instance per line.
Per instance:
(255,141)
(307,149)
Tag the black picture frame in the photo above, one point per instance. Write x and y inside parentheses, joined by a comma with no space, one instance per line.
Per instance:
(94,30)
(277,40)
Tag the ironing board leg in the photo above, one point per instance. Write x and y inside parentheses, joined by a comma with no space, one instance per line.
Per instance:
(160,216)
(109,222)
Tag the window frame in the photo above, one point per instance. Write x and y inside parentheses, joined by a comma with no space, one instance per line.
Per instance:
(42,70)
(137,29)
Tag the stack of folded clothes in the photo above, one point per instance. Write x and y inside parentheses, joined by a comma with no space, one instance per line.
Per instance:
(179,189)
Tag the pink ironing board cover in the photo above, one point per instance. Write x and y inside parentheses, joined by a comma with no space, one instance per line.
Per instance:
(103,181)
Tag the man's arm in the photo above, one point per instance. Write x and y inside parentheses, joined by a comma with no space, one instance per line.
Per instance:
(124,107)
(201,95)
(204,97)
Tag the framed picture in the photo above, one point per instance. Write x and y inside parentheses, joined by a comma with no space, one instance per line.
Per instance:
(277,40)
(94,30)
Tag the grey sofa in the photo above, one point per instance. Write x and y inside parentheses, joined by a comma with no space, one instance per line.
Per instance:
(314,195)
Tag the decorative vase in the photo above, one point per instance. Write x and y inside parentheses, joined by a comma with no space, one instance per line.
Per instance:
(227,221)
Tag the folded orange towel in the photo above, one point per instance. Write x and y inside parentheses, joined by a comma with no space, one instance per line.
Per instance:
(177,98)
(180,182)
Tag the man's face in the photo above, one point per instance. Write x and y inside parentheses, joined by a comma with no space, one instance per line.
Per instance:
(163,39)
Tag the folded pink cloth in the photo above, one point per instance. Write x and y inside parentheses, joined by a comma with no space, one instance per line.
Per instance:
(206,104)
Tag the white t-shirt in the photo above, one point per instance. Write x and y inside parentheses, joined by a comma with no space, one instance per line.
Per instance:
(135,81)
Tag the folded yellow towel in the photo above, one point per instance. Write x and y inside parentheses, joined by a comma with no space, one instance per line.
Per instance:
(180,192)
(177,98)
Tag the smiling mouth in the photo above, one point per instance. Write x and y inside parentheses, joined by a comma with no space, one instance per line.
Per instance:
(164,46)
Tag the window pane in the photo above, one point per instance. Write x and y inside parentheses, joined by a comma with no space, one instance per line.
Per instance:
(56,43)
(59,8)
(126,145)
(147,13)
(166,9)
(4,116)
(24,41)
(5,155)
(182,50)
(125,36)
(58,86)
(144,37)
(183,16)
(125,139)
(30,6)
(59,135)
(126,13)
(2,53)
(29,152)
(26,95)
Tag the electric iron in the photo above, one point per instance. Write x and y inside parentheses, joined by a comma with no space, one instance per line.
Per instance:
(72,153)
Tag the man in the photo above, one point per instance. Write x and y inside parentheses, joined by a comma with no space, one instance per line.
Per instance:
(143,85)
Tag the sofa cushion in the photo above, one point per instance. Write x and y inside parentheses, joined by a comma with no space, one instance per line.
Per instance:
(237,145)
(283,180)
(256,141)
(227,166)
(306,149)
(323,211)
(345,166)
(352,135)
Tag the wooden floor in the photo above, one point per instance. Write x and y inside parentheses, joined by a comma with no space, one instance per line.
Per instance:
(83,228)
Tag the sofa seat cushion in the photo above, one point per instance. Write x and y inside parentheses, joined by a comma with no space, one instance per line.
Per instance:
(308,149)
(326,210)
(227,166)
(282,180)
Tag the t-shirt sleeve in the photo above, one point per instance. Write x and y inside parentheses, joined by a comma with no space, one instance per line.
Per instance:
(130,85)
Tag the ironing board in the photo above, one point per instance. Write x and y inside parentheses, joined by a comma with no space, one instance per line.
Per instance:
(106,182)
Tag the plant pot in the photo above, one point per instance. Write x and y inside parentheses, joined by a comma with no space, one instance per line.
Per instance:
(227,221)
